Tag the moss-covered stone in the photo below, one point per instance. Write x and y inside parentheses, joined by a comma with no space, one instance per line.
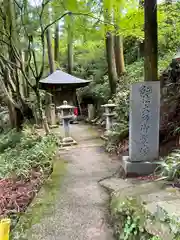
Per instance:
(129,218)
(138,212)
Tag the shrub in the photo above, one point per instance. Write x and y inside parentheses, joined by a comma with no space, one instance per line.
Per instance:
(129,219)
(170,165)
(29,152)
(9,139)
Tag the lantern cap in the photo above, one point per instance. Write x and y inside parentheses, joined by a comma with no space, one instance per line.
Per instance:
(110,104)
(65,106)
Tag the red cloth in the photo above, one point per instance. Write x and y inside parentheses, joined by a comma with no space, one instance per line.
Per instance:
(76,111)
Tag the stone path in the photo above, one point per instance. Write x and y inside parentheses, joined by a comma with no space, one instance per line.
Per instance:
(80,211)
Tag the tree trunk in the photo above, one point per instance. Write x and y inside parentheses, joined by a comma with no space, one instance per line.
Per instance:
(70,45)
(12,116)
(70,58)
(26,57)
(19,119)
(140,50)
(23,83)
(111,62)
(41,113)
(50,51)
(48,98)
(11,28)
(119,55)
(56,44)
(151,41)
(51,66)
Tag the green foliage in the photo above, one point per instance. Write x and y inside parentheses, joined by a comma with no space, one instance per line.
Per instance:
(129,219)
(26,150)
(134,74)
(168,33)
(174,226)
(170,165)
(121,99)
(164,61)
(89,48)
(91,64)
(131,24)
(9,139)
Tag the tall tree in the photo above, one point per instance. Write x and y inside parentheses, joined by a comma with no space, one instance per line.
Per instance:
(119,55)
(109,43)
(26,69)
(70,44)
(111,62)
(56,43)
(11,30)
(140,49)
(50,51)
(118,40)
(151,41)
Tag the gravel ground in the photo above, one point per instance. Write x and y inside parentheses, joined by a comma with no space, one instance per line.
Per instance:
(80,210)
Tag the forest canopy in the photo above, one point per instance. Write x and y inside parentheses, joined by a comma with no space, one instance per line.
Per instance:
(98,40)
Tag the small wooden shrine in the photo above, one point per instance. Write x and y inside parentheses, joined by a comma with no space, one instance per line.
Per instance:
(63,86)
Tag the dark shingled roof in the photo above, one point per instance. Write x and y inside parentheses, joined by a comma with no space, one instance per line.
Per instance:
(61,78)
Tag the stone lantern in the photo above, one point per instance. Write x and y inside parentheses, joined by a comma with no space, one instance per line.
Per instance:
(66,116)
(109,114)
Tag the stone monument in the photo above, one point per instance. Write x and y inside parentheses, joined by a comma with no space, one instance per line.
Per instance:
(66,116)
(143,129)
(91,112)
(51,115)
(109,114)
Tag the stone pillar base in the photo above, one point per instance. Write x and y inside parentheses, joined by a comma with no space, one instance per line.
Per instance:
(53,126)
(68,141)
(106,134)
(133,169)
(104,138)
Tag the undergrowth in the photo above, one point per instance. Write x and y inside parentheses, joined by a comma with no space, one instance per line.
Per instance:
(169,166)
(128,220)
(21,152)
(132,222)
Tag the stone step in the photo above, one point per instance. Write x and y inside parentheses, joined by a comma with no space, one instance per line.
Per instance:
(167,217)
(161,203)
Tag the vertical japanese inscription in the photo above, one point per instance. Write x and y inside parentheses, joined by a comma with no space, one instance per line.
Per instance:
(146,117)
